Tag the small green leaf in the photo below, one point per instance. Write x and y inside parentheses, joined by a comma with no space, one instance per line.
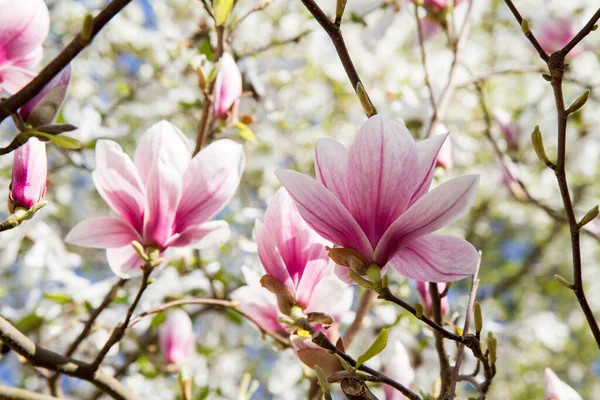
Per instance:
(377,347)
(59,140)
(222,10)
(60,298)
(245,132)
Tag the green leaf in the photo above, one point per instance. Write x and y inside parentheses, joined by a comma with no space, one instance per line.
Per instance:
(206,48)
(60,298)
(222,10)
(245,132)
(59,140)
(158,319)
(377,347)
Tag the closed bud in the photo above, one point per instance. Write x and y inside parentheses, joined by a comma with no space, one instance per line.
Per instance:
(492,343)
(176,337)
(350,258)
(367,106)
(593,213)
(418,310)
(525,26)
(339,9)
(29,172)
(478,317)
(285,298)
(547,77)
(228,87)
(581,100)
(563,282)
(595,27)
(538,146)
(43,108)
(88,29)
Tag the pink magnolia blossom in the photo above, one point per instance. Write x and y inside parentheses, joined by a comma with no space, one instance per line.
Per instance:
(444,158)
(176,337)
(429,27)
(507,127)
(228,87)
(558,390)
(29,172)
(289,250)
(439,5)
(43,108)
(163,198)
(399,369)
(427,300)
(555,34)
(511,177)
(374,198)
(24,25)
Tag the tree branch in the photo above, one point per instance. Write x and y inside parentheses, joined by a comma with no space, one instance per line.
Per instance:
(9,393)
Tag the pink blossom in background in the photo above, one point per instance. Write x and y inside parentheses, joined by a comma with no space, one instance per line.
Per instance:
(24,26)
(44,107)
(228,87)
(374,198)
(555,389)
(507,127)
(398,368)
(289,249)
(29,173)
(439,5)
(427,300)
(511,177)
(444,158)
(429,27)
(555,34)
(176,337)
(163,198)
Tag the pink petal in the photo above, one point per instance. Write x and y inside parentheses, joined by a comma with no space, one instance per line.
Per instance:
(438,208)
(317,266)
(124,262)
(332,297)
(228,86)
(167,140)
(323,212)
(209,182)
(118,183)
(427,151)
(436,258)
(176,337)
(270,258)
(102,233)
(24,25)
(382,173)
(162,198)
(331,163)
(208,235)
(51,98)
(29,173)
(13,79)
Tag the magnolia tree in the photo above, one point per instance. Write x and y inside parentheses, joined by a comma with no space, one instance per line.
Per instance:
(299,199)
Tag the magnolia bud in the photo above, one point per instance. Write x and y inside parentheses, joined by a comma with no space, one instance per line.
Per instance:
(30,169)
(507,127)
(176,337)
(285,298)
(228,87)
(425,294)
(350,258)
(43,108)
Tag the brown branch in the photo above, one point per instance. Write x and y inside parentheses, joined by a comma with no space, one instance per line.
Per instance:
(586,30)
(119,331)
(366,302)
(257,7)
(424,60)
(9,393)
(13,103)
(53,382)
(41,357)
(213,302)
(334,32)
(445,370)
(543,55)
(355,389)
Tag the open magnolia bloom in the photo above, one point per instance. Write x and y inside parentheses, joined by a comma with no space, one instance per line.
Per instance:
(163,198)
(24,25)
(374,198)
(558,390)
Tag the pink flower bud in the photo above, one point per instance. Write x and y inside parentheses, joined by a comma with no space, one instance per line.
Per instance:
(555,389)
(444,157)
(425,295)
(30,169)
(438,5)
(228,87)
(43,108)
(555,34)
(176,338)
(507,127)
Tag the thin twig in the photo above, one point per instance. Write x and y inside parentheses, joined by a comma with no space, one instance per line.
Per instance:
(10,393)
(543,55)
(445,369)
(424,59)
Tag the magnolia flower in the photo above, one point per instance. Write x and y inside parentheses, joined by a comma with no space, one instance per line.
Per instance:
(555,34)
(557,389)
(24,25)
(289,250)
(507,127)
(176,337)
(43,108)
(29,172)
(163,198)
(444,158)
(228,87)
(511,177)
(399,369)
(374,198)
(427,300)
(438,5)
